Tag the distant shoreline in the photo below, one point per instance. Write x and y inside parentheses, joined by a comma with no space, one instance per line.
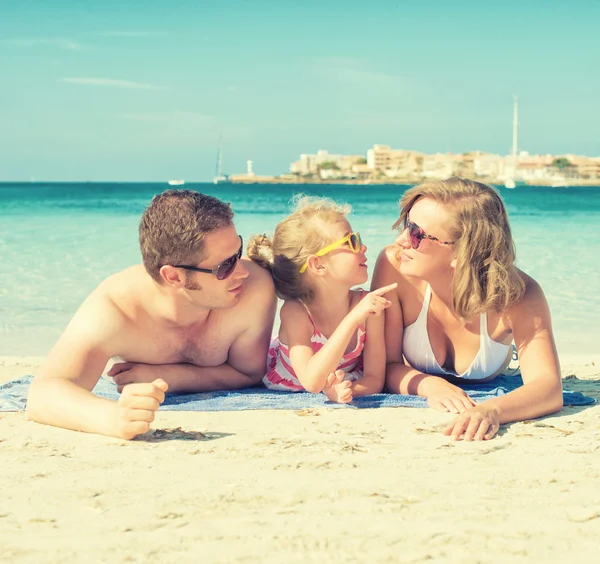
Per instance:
(579,183)
(393,181)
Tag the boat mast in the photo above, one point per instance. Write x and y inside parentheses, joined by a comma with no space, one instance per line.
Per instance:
(219,163)
(515,132)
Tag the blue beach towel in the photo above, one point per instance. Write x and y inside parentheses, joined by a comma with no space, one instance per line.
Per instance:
(13,397)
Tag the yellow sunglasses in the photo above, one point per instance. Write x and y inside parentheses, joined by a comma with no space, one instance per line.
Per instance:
(354,243)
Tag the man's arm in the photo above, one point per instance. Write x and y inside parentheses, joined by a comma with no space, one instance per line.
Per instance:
(60,394)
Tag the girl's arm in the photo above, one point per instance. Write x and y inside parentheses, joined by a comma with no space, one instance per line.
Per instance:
(311,368)
(541,393)
(296,330)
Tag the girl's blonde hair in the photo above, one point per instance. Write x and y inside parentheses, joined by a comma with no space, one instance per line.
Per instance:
(300,235)
(485,277)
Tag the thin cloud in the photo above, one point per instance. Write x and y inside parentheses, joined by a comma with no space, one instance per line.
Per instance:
(179,116)
(134,34)
(112,83)
(353,70)
(59,42)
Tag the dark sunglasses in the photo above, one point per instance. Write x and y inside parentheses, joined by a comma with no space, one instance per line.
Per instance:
(416,234)
(221,271)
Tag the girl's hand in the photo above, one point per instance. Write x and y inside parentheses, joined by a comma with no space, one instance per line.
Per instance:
(478,423)
(372,303)
(336,389)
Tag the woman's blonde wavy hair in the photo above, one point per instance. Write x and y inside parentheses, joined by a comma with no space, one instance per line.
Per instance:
(485,277)
(300,235)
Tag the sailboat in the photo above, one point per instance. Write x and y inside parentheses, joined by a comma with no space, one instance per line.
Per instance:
(509,181)
(220,178)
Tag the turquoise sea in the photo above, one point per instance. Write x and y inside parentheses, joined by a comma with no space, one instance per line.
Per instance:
(58,241)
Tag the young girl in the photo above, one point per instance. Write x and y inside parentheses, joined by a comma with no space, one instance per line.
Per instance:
(315,259)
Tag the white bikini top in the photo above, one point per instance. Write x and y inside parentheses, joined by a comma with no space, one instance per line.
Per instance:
(492,356)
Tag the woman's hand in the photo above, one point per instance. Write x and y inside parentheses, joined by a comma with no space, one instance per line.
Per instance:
(479,423)
(443,396)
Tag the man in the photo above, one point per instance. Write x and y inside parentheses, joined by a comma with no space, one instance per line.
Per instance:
(195,317)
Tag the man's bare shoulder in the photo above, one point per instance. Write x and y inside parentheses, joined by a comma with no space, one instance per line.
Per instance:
(96,332)
(258,286)
(114,302)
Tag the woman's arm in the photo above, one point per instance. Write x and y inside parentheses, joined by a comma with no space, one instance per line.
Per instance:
(400,377)
(541,393)
(373,359)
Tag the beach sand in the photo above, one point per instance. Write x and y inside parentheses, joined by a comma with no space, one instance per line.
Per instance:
(377,485)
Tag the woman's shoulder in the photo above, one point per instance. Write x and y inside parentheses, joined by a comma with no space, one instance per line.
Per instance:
(533,291)
(532,301)
(387,271)
(388,258)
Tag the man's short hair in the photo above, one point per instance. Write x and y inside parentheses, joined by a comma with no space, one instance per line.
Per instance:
(174,225)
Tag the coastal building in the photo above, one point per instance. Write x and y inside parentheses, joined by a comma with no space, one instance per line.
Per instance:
(440,165)
(384,164)
(326,165)
(534,167)
(488,165)
(587,168)
(394,163)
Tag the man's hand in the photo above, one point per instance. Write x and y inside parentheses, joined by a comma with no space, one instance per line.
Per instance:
(336,389)
(478,423)
(443,396)
(124,373)
(136,408)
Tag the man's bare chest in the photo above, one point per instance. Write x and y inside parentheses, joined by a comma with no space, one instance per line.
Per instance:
(201,347)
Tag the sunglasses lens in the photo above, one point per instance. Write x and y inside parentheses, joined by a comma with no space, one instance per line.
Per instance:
(227,267)
(355,242)
(415,234)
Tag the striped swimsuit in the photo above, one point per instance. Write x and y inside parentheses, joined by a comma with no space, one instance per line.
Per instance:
(281,375)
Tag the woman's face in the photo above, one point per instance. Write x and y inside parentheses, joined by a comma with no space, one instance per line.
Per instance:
(432,257)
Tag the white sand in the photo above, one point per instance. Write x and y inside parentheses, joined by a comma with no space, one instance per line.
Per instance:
(379,485)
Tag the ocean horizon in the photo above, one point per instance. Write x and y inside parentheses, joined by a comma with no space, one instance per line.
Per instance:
(59,240)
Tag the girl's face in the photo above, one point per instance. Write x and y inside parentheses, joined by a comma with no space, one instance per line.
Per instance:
(342,263)
(429,229)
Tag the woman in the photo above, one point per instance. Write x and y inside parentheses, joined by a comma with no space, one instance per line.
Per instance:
(459,305)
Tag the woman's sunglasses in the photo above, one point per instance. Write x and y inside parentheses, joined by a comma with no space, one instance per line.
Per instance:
(416,234)
(354,244)
(221,271)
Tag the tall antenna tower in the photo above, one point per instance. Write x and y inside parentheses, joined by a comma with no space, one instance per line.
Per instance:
(515,131)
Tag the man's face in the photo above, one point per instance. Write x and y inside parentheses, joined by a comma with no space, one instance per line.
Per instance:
(219,246)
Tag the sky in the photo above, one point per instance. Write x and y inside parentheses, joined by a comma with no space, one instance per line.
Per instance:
(109,90)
